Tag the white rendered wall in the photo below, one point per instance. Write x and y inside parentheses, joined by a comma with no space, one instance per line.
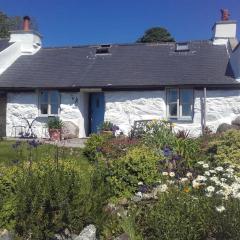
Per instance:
(123,108)
(9,55)
(25,104)
(225,30)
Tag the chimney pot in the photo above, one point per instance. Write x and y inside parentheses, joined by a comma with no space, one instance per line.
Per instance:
(225,14)
(26,23)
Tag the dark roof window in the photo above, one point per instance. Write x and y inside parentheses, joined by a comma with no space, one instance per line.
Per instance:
(103,49)
(182,47)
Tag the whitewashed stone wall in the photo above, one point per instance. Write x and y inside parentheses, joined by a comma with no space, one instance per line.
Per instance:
(123,108)
(25,104)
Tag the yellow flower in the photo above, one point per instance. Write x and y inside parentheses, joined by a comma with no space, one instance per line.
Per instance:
(186,189)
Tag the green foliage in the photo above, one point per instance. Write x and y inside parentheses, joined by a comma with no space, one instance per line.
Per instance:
(117,147)
(188,149)
(140,164)
(156,34)
(181,216)
(7,196)
(158,134)
(55,123)
(225,148)
(94,145)
(50,199)
(43,196)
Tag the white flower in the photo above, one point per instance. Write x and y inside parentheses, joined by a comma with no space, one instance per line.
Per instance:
(230,170)
(207,173)
(201,178)
(189,174)
(170,182)
(165,173)
(210,189)
(212,171)
(223,179)
(171,174)
(184,180)
(209,194)
(140,183)
(195,184)
(163,188)
(214,179)
(200,162)
(205,165)
(237,195)
(139,194)
(219,169)
(220,208)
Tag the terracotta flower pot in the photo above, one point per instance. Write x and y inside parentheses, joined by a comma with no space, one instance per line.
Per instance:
(103,132)
(55,134)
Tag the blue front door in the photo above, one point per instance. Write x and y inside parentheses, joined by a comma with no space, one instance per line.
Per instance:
(97,108)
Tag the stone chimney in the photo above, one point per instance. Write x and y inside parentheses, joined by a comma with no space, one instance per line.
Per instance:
(225,30)
(29,40)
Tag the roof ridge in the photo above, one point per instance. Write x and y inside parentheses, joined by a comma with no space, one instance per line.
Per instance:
(125,44)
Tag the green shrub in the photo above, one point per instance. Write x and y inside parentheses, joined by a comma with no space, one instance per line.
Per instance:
(140,164)
(94,145)
(182,216)
(118,147)
(7,197)
(44,200)
(225,148)
(158,134)
(55,123)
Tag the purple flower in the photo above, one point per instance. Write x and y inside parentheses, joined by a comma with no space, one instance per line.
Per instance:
(34,143)
(167,152)
(143,188)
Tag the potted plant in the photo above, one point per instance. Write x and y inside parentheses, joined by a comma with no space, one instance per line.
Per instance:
(54,128)
(108,128)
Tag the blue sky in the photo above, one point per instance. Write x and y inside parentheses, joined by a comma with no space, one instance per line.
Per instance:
(80,22)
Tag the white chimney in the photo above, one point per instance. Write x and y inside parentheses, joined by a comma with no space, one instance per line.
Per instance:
(29,40)
(224,30)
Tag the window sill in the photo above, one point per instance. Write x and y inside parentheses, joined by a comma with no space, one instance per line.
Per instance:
(179,120)
(48,115)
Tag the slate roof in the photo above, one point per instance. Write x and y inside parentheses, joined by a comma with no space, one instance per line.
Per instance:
(4,43)
(129,65)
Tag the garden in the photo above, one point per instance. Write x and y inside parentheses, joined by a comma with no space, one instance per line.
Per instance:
(156,183)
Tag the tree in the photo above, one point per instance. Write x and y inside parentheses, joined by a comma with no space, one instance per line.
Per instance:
(10,23)
(156,34)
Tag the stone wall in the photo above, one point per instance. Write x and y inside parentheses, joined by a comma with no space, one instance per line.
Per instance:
(25,105)
(123,108)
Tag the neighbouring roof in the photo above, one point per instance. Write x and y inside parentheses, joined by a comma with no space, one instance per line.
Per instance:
(129,65)
(4,43)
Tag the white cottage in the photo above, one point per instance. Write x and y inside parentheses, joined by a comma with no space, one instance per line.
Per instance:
(193,84)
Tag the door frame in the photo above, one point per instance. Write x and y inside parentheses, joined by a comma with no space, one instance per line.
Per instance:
(90,109)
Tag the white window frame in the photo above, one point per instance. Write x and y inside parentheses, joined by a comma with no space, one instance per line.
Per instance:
(179,116)
(49,103)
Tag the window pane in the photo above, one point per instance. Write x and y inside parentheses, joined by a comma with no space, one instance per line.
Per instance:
(186,110)
(172,95)
(54,108)
(54,97)
(173,110)
(186,96)
(44,97)
(44,108)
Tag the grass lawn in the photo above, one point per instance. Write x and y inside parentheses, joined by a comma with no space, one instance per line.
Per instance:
(9,155)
